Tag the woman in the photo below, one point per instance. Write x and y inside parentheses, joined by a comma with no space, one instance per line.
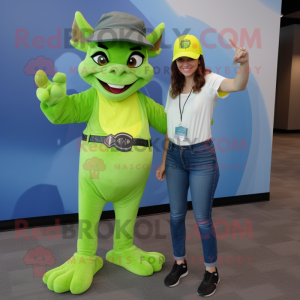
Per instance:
(189,158)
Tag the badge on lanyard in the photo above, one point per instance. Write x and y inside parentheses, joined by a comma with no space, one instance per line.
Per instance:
(181,131)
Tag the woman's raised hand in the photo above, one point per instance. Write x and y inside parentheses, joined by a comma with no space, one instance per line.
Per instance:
(241,54)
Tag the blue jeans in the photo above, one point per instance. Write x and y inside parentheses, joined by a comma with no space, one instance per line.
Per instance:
(193,166)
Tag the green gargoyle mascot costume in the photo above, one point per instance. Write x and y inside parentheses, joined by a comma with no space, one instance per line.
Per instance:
(118,116)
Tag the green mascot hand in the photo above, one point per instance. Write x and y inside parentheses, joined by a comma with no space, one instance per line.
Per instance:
(50,92)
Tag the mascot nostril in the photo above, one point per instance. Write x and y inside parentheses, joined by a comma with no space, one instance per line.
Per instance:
(117,134)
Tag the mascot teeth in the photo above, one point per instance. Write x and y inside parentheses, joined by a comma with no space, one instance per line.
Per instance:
(116,86)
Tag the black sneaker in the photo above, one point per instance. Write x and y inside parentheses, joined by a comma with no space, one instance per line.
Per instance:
(209,284)
(177,272)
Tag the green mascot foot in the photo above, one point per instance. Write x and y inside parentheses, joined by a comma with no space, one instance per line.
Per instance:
(75,275)
(136,260)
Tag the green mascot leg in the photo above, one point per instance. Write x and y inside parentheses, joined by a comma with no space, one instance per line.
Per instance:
(124,253)
(76,275)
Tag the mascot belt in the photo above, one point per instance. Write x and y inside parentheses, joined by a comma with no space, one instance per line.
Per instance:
(121,141)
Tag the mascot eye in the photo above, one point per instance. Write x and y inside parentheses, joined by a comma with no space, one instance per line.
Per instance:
(135,60)
(100,58)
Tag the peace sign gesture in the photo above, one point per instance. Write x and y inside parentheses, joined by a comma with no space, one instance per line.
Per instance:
(241,54)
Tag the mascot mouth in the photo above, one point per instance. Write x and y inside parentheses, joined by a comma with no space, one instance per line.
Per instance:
(115,89)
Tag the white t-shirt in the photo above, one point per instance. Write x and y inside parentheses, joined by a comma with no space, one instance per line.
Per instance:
(198,111)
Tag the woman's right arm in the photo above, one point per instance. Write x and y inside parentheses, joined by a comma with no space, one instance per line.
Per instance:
(165,149)
(160,172)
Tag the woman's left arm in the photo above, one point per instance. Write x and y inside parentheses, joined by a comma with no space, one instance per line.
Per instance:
(240,81)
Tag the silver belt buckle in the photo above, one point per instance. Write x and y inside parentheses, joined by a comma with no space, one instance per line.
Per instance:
(109,141)
(121,141)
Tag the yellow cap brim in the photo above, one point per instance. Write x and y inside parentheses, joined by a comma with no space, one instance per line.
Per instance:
(192,55)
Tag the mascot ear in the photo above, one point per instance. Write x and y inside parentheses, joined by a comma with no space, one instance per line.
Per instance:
(155,38)
(80,30)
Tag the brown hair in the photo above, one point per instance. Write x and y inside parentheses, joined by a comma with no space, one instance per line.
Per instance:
(177,79)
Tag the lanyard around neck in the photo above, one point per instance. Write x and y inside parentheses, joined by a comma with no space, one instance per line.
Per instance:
(181,113)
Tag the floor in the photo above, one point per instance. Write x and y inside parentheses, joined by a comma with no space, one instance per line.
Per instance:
(261,265)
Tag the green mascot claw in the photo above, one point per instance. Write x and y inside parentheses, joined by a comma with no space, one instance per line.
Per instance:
(116,151)
(69,276)
(136,260)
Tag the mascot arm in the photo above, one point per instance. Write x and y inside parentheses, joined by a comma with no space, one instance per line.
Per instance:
(156,115)
(76,108)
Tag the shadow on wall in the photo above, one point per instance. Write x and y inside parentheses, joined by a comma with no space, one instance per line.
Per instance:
(40,200)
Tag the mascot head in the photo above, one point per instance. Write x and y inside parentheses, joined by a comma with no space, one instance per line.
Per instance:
(117,52)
